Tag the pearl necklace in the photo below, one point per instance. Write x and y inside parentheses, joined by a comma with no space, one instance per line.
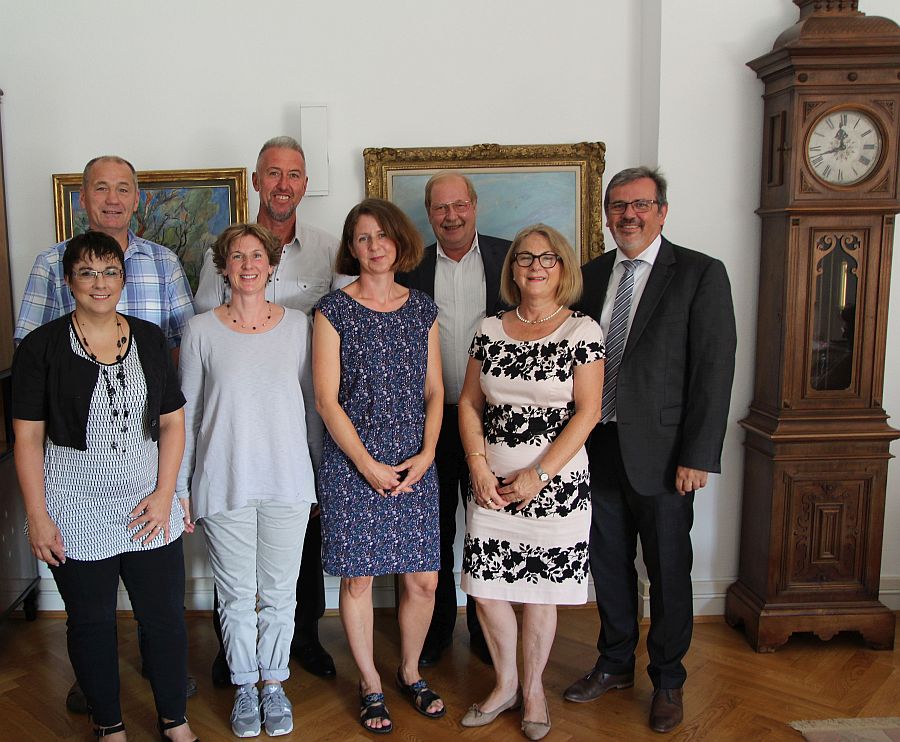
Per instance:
(538,321)
(250,325)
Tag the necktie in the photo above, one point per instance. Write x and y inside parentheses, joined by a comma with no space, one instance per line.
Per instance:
(615,338)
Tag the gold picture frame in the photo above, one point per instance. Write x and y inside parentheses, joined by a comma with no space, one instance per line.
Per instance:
(517,185)
(185,210)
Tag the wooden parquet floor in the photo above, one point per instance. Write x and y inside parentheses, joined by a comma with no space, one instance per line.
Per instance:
(732,693)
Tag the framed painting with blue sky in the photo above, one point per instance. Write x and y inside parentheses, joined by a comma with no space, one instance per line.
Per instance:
(517,185)
(185,210)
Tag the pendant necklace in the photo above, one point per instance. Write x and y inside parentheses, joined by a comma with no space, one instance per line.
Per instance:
(538,321)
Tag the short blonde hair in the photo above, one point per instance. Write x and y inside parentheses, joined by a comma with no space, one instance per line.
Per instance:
(569,290)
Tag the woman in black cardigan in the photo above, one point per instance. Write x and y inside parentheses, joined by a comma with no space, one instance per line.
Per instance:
(99,426)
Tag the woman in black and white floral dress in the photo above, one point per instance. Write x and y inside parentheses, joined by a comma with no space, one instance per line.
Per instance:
(531,397)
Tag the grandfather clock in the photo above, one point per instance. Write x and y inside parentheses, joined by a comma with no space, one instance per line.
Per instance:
(817,438)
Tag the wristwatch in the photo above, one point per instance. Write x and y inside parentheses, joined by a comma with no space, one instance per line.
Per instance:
(542,475)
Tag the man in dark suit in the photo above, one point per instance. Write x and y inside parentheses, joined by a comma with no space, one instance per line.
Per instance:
(461,272)
(668,320)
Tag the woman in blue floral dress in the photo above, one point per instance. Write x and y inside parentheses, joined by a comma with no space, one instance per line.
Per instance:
(377,375)
(530,399)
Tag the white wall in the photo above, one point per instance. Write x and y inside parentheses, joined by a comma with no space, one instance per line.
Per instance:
(203,84)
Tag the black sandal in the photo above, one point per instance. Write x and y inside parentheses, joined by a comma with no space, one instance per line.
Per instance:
(164,726)
(421,696)
(371,706)
(106,731)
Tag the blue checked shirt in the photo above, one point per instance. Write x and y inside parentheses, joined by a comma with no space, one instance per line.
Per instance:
(156,290)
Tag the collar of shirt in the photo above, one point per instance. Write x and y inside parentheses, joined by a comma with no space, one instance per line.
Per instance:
(137,244)
(648,256)
(474,250)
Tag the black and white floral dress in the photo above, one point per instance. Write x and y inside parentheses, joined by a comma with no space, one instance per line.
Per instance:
(538,554)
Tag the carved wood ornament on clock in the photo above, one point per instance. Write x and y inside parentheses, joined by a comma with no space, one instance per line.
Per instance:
(817,438)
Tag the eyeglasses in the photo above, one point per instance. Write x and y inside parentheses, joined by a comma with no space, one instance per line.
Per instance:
(460,207)
(86,274)
(546,259)
(640,205)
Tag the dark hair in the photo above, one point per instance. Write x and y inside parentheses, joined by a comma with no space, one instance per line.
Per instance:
(91,244)
(223,244)
(396,225)
(636,173)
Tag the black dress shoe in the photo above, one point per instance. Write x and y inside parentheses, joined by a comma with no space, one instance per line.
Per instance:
(479,647)
(595,684)
(666,709)
(76,702)
(314,659)
(220,673)
(432,651)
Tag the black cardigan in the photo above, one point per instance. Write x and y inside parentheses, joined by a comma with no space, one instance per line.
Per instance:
(51,383)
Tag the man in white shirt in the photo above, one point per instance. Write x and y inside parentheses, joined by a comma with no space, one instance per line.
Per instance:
(461,272)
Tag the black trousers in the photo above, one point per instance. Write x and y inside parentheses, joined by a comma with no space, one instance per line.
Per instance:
(310,591)
(663,523)
(155,583)
(453,480)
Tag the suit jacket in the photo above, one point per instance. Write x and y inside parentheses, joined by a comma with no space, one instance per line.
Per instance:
(493,251)
(674,383)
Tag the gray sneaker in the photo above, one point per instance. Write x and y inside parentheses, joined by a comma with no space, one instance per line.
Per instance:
(276,711)
(245,720)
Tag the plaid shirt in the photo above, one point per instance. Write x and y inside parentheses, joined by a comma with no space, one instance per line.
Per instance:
(156,290)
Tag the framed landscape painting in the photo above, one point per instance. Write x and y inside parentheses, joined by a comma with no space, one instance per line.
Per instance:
(517,185)
(185,210)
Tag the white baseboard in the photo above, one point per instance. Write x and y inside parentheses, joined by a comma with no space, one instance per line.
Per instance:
(709,595)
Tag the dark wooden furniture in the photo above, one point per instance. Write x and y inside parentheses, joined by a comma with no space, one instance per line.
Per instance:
(817,438)
(18,567)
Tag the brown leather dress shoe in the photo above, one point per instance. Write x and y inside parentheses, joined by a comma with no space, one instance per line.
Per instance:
(595,684)
(666,709)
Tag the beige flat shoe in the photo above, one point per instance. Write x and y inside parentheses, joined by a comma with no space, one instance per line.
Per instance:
(536,729)
(475,717)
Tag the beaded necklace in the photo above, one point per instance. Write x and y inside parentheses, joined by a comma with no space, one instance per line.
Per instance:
(118,407)
(250,325)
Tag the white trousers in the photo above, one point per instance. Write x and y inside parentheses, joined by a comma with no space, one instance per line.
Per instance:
(254,553)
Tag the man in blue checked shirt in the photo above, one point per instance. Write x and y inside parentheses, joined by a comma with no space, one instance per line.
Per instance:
(156,288)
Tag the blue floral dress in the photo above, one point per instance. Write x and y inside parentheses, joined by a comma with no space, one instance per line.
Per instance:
(384,357)
(540,553)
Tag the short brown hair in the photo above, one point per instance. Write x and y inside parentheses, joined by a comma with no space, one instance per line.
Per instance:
(438,177)
(233,233)
(569,290)
(396,225)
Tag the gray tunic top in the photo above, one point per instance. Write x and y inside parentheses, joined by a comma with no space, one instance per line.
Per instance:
(252,432)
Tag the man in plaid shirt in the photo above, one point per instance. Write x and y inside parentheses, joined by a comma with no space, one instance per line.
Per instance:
(156,288)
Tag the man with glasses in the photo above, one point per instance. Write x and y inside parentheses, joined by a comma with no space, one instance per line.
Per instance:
(461,272)
(156,288)
(668,320)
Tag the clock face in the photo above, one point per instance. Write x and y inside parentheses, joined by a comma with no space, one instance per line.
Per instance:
(844,147)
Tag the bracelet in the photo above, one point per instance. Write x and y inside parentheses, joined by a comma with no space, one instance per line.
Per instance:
(476,453)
